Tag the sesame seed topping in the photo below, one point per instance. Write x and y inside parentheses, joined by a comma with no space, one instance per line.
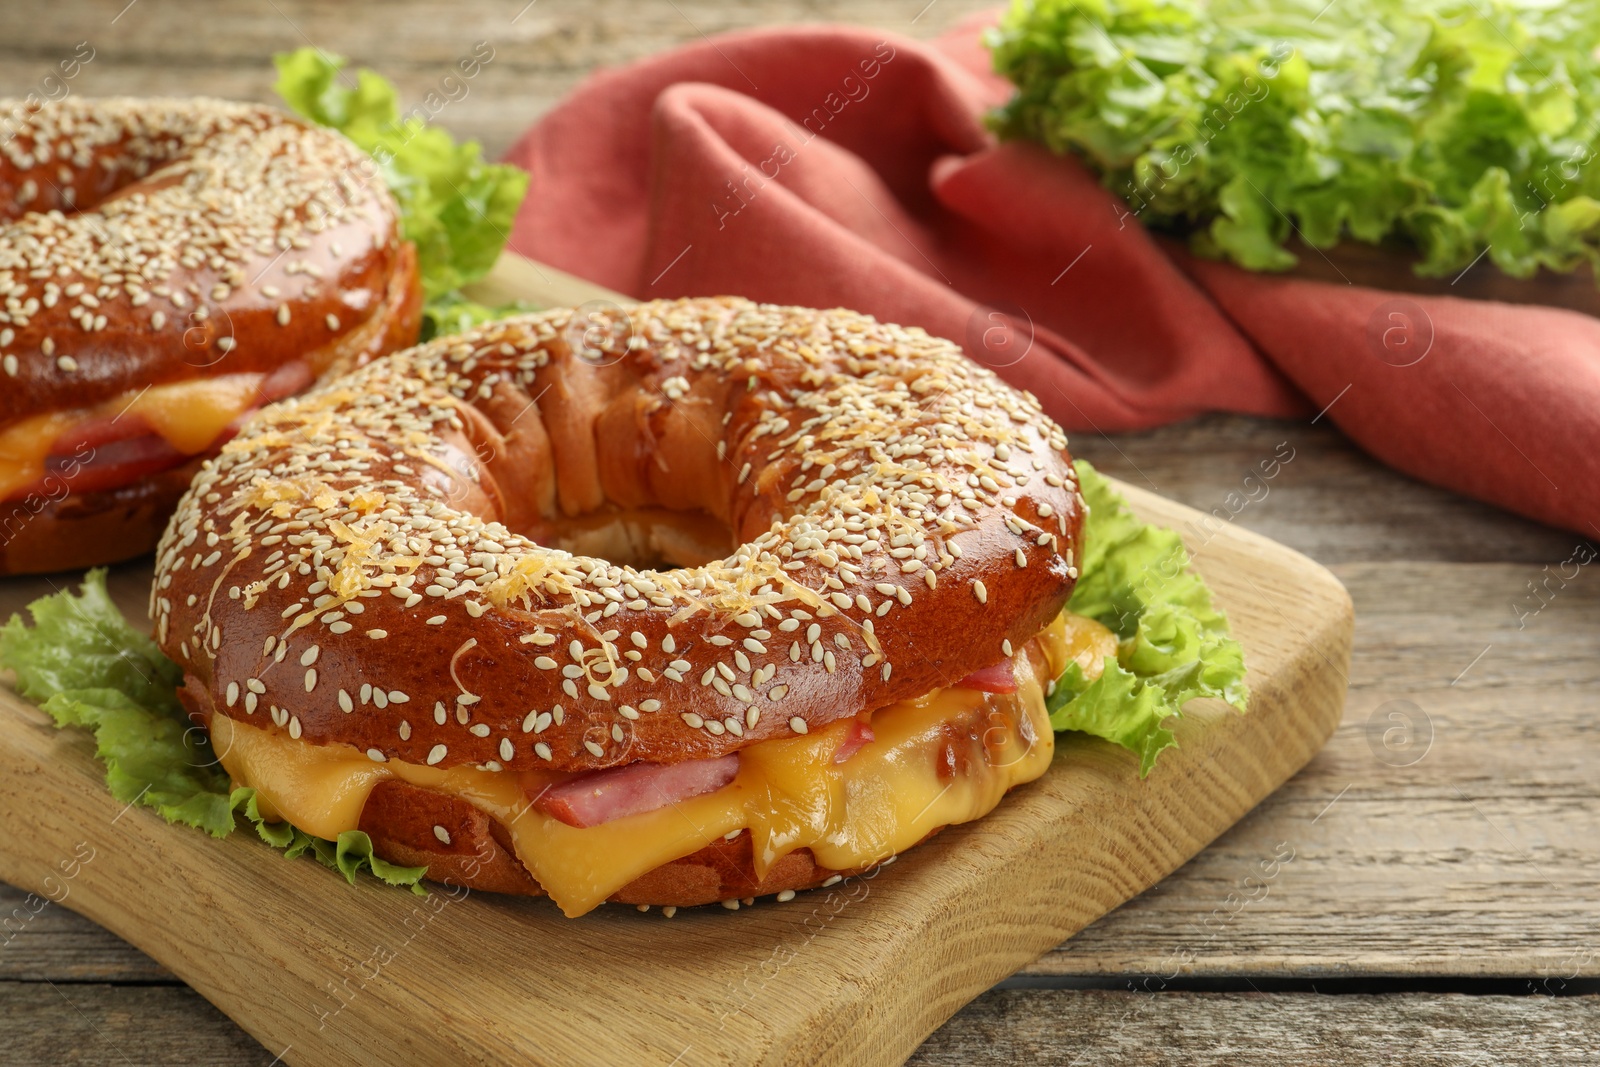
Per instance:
(442,834)
(246,176)
(896,444)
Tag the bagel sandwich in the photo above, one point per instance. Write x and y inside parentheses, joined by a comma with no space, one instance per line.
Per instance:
(190,261)
(171,265)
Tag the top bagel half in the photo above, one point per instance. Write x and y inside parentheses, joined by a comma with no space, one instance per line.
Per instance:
(375,563)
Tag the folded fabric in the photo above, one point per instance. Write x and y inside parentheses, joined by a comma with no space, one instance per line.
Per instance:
(832,166)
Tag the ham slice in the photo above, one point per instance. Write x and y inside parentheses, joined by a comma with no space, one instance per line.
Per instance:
(98,430)
(601,796)
(287,380)
(996,678)
(108,451)
(114,463)
(860,733)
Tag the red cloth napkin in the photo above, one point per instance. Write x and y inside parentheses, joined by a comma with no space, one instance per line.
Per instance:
(831,166)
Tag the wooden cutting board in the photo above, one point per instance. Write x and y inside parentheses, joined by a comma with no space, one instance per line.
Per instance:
(327,973)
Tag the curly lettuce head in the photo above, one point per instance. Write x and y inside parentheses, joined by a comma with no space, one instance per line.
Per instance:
(1446,126)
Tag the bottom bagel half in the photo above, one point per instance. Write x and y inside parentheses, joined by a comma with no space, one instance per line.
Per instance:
(86,529)
(778,815)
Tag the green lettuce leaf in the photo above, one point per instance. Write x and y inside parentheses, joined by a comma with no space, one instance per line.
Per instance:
(350,854)
(83,643)
(1448,127)
(1173,644)
(457,208)
(454,313)
(85,666)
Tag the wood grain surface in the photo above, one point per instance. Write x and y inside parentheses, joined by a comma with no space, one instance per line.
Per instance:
(1476,860)
(1257,1030)
(115,1024)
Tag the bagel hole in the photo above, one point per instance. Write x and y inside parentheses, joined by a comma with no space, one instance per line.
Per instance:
(643,538)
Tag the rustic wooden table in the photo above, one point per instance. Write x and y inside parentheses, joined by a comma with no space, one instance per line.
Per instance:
(1441,904)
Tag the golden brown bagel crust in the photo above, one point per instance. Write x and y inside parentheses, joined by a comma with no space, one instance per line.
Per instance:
(344,571)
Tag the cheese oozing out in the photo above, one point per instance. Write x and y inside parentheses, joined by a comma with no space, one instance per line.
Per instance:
(789,793)
(189,415)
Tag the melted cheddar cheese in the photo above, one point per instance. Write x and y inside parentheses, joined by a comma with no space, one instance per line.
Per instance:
(188,415)
(789,793)
(24,447)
